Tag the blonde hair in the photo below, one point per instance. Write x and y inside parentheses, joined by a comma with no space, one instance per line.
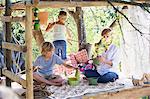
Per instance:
(46,47)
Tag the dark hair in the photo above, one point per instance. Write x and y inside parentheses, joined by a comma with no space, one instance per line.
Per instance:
(105,31)
(62,13)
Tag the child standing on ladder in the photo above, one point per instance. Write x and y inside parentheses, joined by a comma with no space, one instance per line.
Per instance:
(59,35)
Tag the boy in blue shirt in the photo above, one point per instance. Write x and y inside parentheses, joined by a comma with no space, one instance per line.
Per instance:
(44,65)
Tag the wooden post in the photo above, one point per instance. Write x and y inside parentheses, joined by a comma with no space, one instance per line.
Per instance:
(1,39)
(8,39)
(28,40)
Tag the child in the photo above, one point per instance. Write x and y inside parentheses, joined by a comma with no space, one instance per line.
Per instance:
(103,44)
(45,64)
(109,60)
(59,37)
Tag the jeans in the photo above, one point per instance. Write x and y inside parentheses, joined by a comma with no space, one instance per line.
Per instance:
(108,77)
(60,48)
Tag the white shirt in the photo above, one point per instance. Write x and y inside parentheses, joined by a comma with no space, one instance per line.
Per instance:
(59,32)
(112,54)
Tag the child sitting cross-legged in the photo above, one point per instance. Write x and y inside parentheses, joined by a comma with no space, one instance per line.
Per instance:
(107,70)
(44,65)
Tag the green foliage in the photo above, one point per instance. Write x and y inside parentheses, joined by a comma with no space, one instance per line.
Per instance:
(99,18)
(17,29)
(18,32)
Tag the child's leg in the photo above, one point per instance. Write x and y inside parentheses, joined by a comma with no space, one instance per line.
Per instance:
(91,73)
(41,79)
(108,77)
(63,49)
(60,48)
(56,79)
(57,47)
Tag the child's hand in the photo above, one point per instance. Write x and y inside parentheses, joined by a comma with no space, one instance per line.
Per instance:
(70,66)
(101,59)
(37,67)
(76,68)
(73,67)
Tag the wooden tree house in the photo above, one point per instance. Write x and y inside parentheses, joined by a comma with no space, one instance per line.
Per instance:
(27,49)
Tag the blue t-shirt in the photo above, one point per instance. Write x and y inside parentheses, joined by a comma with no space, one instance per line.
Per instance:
(46,66)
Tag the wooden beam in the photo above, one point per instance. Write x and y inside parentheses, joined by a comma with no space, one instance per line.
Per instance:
(28,40)
(132,93)
(14,77)
(14,47)
(63,3)
(8,37)
(11,19)
(60,4)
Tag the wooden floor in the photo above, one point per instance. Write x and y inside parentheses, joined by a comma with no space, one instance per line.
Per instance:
(38,94)
(129,91)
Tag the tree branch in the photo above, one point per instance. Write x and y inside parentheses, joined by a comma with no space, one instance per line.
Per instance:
(141,33)
(143,7)
(130,3)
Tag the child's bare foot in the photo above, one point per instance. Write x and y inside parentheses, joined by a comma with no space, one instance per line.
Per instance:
(58,84)
(57,80)
(55,83)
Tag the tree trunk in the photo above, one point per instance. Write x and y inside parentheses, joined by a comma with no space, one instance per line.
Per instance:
(80,26)
(38,36)
(78,17)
